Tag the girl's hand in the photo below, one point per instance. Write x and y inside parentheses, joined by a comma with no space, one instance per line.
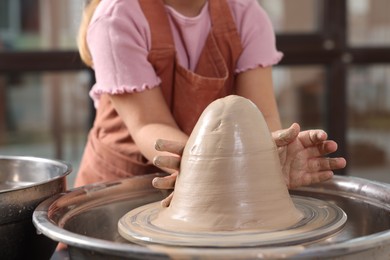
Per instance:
(302,156)
(169,163)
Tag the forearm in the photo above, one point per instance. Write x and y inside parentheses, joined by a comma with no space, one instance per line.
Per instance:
(273,122)
(146,137)
(257,85)
(147,118)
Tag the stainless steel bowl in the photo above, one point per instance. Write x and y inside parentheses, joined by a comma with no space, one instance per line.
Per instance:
(86,219)
(24,183)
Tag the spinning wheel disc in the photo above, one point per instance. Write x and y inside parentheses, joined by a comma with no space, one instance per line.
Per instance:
(321,219)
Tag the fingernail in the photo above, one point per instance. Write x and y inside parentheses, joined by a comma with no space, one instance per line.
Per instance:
(155,182)
(157,145)
(156,161)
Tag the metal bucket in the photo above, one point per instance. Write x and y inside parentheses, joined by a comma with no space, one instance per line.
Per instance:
(86,219)
(24,183)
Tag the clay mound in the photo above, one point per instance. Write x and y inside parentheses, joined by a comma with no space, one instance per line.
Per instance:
(230,175)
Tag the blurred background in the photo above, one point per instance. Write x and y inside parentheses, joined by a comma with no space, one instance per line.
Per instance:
(335,75)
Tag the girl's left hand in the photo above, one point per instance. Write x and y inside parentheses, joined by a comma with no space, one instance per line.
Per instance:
(302,156)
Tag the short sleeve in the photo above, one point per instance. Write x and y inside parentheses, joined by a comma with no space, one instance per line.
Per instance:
(257,36)
(119,39)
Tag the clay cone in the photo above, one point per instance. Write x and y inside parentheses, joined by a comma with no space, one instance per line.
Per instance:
(230,176)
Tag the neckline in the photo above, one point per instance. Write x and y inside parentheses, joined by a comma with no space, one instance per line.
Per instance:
(188,19)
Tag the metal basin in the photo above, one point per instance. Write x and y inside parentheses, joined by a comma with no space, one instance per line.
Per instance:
(24,183)
(86,219)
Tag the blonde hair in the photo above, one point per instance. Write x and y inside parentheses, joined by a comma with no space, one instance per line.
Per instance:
(82,34)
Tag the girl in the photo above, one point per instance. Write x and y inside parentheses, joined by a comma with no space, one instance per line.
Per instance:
(159,63)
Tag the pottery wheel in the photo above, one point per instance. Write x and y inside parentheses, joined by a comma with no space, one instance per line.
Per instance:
(321,219)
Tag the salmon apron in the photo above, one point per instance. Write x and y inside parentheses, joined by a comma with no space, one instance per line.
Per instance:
(110,152)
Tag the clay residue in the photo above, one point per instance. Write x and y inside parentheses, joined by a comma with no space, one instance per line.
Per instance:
(230,176)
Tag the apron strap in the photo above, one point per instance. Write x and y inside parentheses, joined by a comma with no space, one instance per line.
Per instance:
(225,32)
(221,17)
(156,15)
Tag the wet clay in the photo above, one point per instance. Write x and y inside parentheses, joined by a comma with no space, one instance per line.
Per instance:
(230,178)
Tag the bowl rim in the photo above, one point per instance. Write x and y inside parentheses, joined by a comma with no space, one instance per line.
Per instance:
(67,170)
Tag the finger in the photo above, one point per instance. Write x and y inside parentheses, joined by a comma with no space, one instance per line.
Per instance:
(312,137)
(164,161)
(167,201)
(164,183)
(327,147)
(317,136)
(285,136)
(318,177)
(310,178)
(326,164)
(169,146)
(319,150)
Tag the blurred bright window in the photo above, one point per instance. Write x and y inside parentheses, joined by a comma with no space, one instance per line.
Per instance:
(368,23)
(283,14)
(39,24)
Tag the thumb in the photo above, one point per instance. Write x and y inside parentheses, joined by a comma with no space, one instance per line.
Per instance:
(285,136)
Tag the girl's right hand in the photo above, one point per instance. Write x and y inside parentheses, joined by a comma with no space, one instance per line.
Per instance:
(169,163)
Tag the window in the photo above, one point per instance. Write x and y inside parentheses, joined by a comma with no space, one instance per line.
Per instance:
(9,20)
